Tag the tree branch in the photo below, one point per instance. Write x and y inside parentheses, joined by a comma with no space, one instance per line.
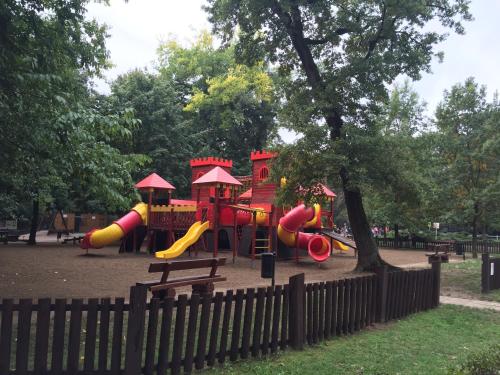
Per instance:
(373,42)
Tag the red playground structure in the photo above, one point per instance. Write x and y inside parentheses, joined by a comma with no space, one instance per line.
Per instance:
(225,213)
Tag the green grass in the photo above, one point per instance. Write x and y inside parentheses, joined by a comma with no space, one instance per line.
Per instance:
(464,278)
(426,343)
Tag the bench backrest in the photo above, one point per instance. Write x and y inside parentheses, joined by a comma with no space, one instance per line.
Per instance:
(180,265)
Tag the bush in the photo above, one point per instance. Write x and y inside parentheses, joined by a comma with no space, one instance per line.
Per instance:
(481,363)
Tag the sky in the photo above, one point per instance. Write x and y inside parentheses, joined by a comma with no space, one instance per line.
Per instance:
(138,26)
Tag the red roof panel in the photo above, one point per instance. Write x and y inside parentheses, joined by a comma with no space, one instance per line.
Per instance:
(154,181)
(217,175)
(327,192)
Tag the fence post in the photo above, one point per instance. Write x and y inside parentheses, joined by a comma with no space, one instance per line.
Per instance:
(296,311)
(436,270)
(135,330)
(382,285)
(485,273)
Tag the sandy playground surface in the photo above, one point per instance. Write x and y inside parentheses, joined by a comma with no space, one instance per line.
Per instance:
(59,271)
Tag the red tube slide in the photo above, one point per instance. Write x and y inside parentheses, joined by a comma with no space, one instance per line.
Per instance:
(317,246)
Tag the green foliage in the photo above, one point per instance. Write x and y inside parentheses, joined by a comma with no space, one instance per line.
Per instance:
(163,135)
(54,138)
(481,363)
(228,107)
(469,151)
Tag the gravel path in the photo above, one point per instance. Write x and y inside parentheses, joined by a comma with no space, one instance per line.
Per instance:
(474,303)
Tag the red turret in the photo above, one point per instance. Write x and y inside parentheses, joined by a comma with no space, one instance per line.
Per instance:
(199,167)
(263,190)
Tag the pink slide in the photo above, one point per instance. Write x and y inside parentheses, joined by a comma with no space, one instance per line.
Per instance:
(317,246)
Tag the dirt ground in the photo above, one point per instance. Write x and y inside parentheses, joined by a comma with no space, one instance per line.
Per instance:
(59,271)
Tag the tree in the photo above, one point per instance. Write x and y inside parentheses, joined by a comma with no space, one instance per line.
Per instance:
(470,156)
(397,190)
(53,136)
(340,55)
(228,107)
(164,133)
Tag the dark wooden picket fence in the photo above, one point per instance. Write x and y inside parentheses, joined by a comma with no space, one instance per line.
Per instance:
(182,334)
(459,247)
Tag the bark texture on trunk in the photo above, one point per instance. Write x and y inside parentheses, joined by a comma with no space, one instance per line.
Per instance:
(34,222)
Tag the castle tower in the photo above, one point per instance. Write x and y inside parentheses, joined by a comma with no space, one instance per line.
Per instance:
(199,167)
(263,190)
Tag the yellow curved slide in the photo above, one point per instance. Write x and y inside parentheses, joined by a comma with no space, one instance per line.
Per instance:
(190,238)
(339,246)
(98,238)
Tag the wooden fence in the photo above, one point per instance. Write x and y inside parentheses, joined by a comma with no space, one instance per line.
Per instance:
(459,247)
(182,334)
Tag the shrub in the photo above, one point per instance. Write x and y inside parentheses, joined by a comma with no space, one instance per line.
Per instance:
(481,363)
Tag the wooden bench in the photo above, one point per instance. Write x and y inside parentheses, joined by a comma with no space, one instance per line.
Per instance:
(165,287)
(441,252)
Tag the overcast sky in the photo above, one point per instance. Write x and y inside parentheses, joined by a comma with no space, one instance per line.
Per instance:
(137,27)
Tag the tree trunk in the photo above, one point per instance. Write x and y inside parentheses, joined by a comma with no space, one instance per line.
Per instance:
(396,236)
(34,222)
(368,254)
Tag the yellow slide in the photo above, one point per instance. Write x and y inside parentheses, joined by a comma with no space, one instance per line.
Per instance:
(190,238)
(98,238)
(339,246)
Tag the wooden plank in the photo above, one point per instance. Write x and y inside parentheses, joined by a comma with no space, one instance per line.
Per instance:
(309,313)
(257,327)
(225,326)
(235,338)
(149,360)
(181,265)
(418,291)
(75,327)
(347,305)
(402,293)
(374,304)
(247,323)
(364,302)
(328,309)
(278,291)
(206,304)
(284,317)
(58,336)
(116,349)
(390,296)
(321,318)
(315,312)
(42,335)
(413,289)
(165,333)
(102,361)
(91,335)
(340,307)
(407,291)
(135,330)
(214,330)
(180,320)
(6,335)
(369,293)
(267,321)
(359,303)
(397,293)
(23,335)
(191,333)
(352,306)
